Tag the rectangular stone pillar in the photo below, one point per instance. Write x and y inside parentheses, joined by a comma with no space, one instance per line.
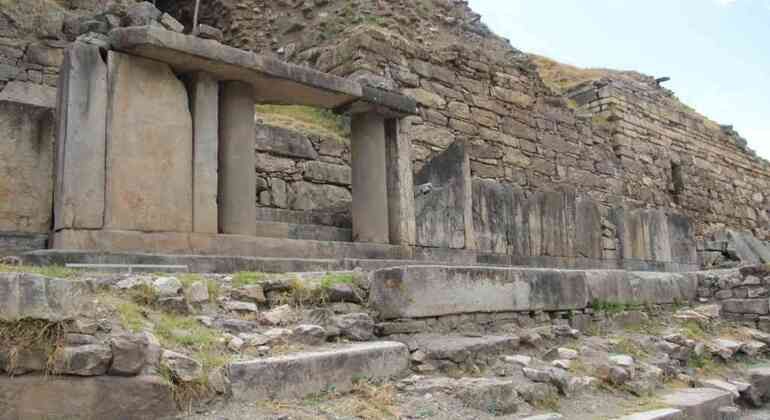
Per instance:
(204,100)
(237,166)
(400,185)
(370,193)
(81,141)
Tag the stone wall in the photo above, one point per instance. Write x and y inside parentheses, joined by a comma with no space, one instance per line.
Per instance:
(741,293)
(673,157)
(303,172)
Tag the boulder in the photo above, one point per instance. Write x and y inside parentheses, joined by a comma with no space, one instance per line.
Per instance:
(181,367)
(281,315)
(141,14)
(356,326)
(491,395)
(198,292)
(167,286)
(30,296)
(310,335)
(253,293)
(129,354)
(237,306)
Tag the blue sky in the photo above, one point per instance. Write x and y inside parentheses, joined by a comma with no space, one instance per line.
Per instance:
(717,52)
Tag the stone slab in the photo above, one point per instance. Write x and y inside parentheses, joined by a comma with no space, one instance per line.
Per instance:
(748,248)
(30,296)
(31,94)
(149,148)
(443,213)
(304,217)
(429,291)
(655,235)
(298,375)
(26,168)
(699,403)
(448,347)
(81,141)
(662,414)
(102,397)
(310,232)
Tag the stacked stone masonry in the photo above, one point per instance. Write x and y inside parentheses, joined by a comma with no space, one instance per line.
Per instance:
(629,145)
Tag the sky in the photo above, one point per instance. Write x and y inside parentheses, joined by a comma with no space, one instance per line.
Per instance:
(717,52)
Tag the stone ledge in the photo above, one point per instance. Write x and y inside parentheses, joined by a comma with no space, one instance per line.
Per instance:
(302,374)
(31,94)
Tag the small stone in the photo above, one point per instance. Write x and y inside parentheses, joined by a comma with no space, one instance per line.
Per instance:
(561,364)
(170,23)
(176,304)
(309,335)
(254,340)
(209,32)
(167,286)
(132,282)
(253,293)
(618,375)
(141,14)
(278,335)
(281,315)
(94,38)
(344,293)
(622,360)
(724,348)
(238,306)
(419,356)
(753,348)
(235,344)
(518,359)
(561,353)
(181,367)
(198,292)
(79,339)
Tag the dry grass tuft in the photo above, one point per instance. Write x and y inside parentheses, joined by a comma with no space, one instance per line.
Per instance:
(306,120)
(30,335)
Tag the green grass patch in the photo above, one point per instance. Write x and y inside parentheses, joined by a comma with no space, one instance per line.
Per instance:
(131,316)
(629,347)
(248,278)
(212,285)
(306,120)
(693,330)
(608,307)
(183,331)
(330,280)
(56,271)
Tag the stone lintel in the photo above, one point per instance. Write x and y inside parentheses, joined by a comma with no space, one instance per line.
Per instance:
(379,101)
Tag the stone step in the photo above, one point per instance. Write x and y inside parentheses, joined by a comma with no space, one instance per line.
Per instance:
(212,263)
(662,414)
(299,375)
(432,291)
(699,403)
(303,231)
(99,397)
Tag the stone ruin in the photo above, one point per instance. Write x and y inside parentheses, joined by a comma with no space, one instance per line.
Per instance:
(475,194)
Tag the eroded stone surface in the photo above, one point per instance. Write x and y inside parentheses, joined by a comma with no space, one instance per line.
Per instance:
(32,296)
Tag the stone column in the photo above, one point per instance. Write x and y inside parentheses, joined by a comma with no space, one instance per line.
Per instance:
(204,101)
(237,171)
(400,185)
(81,141)
(370,193)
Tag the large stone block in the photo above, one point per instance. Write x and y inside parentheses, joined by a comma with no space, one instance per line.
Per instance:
(81,142)
(26,168)
(298,375)
(655,235)
(29,296)
(327,173)
(638,288)
(699,403)
(149,153)
(281,141)
(492,215)
(400,182)
(443,213)
(370,192)
(310,196)
(37,397)
(415,292)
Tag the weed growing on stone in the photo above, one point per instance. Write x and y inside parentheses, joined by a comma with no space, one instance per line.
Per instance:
(627,346)
(693,330)
(213,287)
(307,120)
(608,307)
(29,336)
(131,316)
